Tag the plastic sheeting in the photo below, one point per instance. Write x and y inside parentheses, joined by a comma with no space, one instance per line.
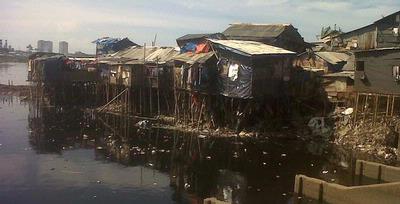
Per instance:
(237,82)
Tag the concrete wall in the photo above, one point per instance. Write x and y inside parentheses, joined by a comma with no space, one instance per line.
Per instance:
(369,194)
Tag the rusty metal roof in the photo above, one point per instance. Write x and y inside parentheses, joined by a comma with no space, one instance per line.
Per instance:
(256,31)
(192,58)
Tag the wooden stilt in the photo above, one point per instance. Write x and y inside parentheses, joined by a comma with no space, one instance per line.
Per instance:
(393,100)
(356,107)
(365,106)
(387,105)
(375,108)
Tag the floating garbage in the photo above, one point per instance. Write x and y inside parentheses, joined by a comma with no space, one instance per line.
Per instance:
(99,148)
(208,157)
(283,155)
(325,172)
(143,124)
(202,136)
(85,137)
(186,186)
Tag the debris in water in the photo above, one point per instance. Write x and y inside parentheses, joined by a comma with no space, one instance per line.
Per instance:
(277,176)
(85,137)
(98,181)
(208,157)
(325,172)
(187,186)
(99,148)
(265,152)
(283,155)
(264,163)
(202,136)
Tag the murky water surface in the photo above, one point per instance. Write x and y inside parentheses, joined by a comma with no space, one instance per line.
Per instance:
(58,155)
(12,72)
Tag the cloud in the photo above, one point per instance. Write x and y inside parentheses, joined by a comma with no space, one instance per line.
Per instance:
(80,21)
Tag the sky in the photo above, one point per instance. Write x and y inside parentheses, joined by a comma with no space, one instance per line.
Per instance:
(79,22)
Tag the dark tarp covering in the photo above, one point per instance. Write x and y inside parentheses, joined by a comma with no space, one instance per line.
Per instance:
(236,87)
(52,68)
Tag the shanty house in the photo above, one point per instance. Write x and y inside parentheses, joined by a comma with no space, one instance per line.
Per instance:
(383,33)
(195,72)
(249,69)
(378,71)
(279,35)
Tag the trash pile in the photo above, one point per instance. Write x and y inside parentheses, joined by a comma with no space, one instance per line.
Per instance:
(379,139)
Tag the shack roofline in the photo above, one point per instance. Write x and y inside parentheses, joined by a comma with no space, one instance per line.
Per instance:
(263,24)
(377,49)
(370,25)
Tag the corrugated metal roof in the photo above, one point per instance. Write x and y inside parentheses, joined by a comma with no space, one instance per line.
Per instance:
(237,31)
(333,57)
(252,48)
(162,55)
(134,55)
(193,58)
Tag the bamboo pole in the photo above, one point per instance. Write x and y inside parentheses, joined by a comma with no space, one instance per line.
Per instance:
(102,108)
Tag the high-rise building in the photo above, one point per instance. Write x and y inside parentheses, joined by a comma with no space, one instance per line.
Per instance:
(1,43)
(63,47)
(5,44)
(44,46)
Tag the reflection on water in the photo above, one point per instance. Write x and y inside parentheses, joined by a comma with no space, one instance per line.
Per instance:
(52,155)
(14,72)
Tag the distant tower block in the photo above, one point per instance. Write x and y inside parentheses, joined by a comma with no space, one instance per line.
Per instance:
(45,46)
(63,47)
(5,44)
(1,43)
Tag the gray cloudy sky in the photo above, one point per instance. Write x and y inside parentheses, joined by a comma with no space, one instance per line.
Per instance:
(79,22)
